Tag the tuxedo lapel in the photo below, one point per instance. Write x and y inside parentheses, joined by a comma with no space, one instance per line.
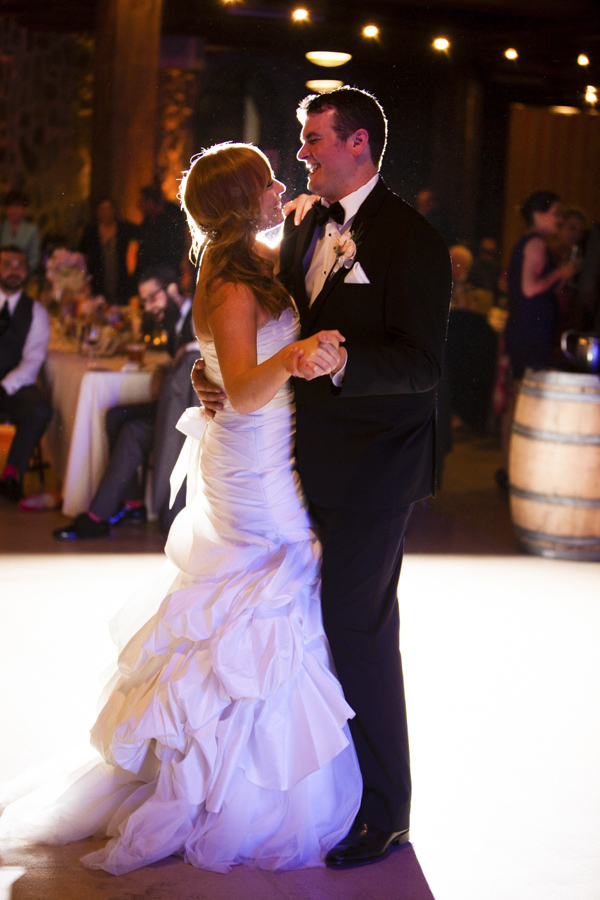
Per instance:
(360,225)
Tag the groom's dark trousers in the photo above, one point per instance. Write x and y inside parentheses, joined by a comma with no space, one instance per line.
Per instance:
(365,453)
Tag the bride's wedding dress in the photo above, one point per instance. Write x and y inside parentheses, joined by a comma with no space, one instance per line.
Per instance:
(224,738)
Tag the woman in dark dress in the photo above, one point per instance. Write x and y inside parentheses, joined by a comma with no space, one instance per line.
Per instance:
(533,278)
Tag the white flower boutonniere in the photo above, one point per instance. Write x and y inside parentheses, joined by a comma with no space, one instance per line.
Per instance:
(345,251)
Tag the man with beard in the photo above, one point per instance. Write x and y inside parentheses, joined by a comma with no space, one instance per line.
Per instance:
(131,429)
(24,333)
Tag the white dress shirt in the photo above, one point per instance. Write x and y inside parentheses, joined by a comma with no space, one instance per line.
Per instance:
(34,349)
(321,256)
(321,253)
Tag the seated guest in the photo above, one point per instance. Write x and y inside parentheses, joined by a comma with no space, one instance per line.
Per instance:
(17,231)
(106,246)
(24,333)
(131,429)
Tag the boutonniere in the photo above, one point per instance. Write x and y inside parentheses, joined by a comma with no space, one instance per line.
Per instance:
(345,250)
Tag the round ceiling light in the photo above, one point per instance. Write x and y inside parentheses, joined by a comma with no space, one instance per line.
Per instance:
(322,85)
(328,58)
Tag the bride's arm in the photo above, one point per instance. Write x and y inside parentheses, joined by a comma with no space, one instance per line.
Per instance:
(234,319)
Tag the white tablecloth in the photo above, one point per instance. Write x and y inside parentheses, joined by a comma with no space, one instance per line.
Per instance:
(76,438)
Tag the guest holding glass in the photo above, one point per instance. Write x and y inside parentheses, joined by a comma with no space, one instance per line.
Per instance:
(533,310)
(533,278)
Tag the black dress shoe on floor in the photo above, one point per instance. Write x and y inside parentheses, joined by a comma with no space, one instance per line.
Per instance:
(364,844)
(131,515)
(11,489)
(82,527)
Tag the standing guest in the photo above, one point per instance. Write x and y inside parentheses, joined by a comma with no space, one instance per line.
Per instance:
(366,263)
(24,334)
(17,231)
(119,498)
(107,246)
(533,278)
(162,233)
(533,311)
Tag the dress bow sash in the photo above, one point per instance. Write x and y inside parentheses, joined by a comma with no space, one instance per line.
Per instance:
(192,423)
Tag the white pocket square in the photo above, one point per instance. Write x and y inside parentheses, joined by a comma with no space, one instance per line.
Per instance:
(356,275)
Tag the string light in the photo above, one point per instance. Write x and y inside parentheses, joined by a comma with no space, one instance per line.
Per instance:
(582,60)
(511,53)
(300,15)
(441,43)
(370,31)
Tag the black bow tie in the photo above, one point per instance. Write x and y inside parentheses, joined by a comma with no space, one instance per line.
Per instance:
(323,213)
(4,318)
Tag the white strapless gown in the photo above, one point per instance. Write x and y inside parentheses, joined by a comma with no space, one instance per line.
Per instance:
(224,737)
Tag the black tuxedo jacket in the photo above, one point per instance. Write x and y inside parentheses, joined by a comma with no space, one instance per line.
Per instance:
(371,443)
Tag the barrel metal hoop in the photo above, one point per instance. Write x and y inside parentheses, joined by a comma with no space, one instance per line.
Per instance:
(592,440)
(554,550)
(555,499)
(544,394)
(557,538)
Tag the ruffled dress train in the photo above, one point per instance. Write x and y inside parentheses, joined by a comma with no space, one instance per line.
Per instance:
(224,737)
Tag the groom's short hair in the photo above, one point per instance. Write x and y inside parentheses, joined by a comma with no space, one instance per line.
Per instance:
(354,109)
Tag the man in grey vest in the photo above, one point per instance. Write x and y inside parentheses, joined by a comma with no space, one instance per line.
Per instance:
(24,333)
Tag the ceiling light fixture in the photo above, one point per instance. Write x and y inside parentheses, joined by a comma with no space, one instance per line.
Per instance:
(300,15)
(441,43)
(565,110)
(511,53)
(591,94)
(370,31)
(583,60)
(322,85)
(328,58)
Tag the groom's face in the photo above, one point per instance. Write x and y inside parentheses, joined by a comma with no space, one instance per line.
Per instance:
(330,161)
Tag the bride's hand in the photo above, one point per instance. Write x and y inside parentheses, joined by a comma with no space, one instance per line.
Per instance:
(300,205)
(318,355)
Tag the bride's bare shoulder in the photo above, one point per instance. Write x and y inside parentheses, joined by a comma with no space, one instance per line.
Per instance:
(224,298)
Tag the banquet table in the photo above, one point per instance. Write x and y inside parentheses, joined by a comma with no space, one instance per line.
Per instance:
(81,391)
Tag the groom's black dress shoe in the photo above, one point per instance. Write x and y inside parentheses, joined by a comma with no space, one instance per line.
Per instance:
(364,844)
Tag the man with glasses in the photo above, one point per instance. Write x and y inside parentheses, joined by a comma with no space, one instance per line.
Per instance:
(132,432)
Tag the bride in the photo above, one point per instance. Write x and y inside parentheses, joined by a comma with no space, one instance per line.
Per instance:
(225,738)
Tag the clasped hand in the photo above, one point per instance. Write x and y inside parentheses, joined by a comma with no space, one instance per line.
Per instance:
(315,356)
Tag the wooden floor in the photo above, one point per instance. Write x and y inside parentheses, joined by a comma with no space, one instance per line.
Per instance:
(503,687)
(470,515)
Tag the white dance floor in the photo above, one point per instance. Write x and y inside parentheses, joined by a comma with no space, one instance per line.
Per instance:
(502,667)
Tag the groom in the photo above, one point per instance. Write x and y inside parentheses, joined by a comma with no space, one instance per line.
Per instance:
(366,263)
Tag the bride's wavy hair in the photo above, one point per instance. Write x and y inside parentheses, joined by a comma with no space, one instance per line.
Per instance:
(221,196)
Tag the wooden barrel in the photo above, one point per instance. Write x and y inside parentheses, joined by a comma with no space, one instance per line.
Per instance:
(554,465)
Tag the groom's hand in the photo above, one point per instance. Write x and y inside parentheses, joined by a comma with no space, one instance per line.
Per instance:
(300,205)
(210,395)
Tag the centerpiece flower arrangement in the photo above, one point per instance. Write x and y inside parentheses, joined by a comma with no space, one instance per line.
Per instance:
(66,270)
